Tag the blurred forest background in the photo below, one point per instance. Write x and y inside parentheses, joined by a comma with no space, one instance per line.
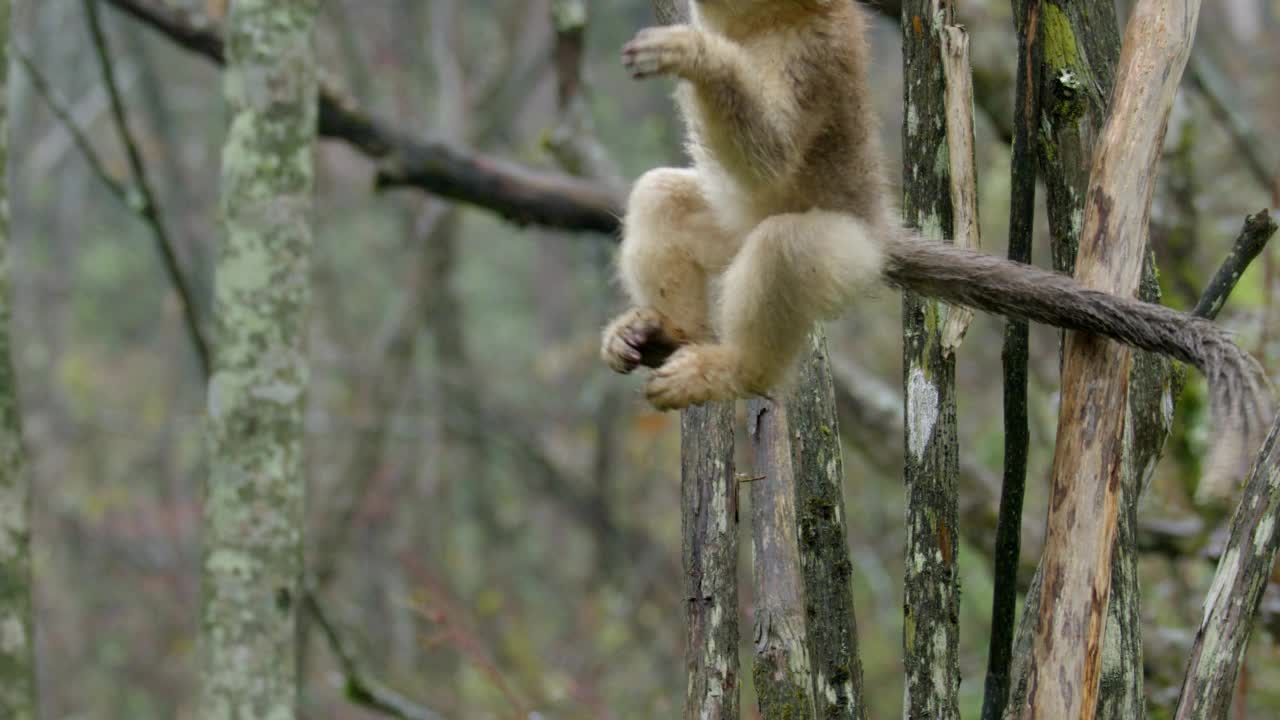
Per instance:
(493,517)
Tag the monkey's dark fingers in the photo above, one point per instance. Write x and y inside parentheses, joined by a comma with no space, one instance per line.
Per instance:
(644,63)
(620,355)
(654,52)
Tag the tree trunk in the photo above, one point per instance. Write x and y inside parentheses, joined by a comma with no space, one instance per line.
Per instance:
(1088,469)
(824,544)
(254,503)
(781,671)
(710,529)
(17,650)
(1086,39)
(931,626)
(1243,572)
(1076,78)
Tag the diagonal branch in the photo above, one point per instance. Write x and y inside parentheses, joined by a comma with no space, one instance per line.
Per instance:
(1206,78)
(361,688)
(63,114)
(146,204)
(520,195)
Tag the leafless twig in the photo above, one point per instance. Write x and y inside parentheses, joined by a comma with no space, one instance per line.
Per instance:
(360,687)
(145,205)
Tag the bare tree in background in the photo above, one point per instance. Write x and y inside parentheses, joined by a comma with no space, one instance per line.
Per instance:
(17,647)
(252,562)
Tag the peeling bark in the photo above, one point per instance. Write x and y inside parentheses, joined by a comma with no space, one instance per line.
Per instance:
(710,528)
(781,667)
(1088,463)
(253,515)
(1081,45)
(963,165)
(931,625)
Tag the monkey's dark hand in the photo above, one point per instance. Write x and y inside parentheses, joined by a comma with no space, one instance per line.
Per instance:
(657,51)
(640,336)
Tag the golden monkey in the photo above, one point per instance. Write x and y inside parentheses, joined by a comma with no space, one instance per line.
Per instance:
(784,219)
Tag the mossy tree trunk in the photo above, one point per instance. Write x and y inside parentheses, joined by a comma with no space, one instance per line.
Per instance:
(781,669)
(825,567)
(253,516)
(17,651)
(931,626)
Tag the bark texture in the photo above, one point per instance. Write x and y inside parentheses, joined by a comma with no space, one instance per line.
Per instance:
(710,529)
(17,651)
(1081,45)
(931,625)
(825,566)
(1088,462)
(252,559)
(1242,576)
(963,168)
(781,669)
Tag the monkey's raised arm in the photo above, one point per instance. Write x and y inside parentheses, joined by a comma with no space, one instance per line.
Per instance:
(1241,400)
(754,108)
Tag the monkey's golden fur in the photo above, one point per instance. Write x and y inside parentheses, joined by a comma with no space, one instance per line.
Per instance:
(779,207)
(784,219)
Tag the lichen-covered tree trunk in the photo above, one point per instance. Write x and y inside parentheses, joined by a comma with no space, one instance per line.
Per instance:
(781,670)
(253,516)
(931,626)
(17,652)
(825,567)
(710,530)
(1242,576)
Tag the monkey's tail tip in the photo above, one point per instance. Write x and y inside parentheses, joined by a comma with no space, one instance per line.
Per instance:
(1243,408)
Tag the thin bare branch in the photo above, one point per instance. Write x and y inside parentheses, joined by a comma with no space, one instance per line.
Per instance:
(1013,355)
(1258,229)
(147,207)
(118,187)
(361,688)
(1250,149)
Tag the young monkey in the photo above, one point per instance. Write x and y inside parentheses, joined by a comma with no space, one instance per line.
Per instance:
(784,219)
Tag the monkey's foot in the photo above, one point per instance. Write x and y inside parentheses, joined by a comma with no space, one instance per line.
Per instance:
(640,336)
(694,375)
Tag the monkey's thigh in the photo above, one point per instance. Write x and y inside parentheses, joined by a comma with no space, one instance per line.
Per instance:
(793,270)
(670,243)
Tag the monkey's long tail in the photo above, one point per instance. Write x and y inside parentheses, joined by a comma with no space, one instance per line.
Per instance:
(1241,400)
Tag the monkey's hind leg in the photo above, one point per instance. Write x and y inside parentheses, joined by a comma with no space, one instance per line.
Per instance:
(670,242)
(793,270)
